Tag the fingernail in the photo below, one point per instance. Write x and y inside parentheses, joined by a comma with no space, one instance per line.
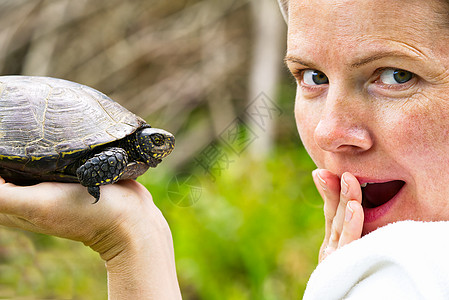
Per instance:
(323,182)
(349,211)
(344,185)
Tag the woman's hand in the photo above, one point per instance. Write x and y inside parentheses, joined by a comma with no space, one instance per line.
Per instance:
(124,227)
(66,210)
(343,210)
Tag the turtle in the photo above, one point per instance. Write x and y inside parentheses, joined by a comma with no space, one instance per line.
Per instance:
(53,129)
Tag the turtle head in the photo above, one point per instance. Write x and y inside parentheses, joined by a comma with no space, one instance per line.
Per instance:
(153,144)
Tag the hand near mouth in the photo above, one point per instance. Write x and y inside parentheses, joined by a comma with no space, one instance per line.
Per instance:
(343,210)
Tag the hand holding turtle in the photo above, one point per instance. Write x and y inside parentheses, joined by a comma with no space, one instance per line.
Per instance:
(57,130)
(343,211)
(126,229)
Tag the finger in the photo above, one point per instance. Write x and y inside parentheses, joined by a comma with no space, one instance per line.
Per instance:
(350,190)
(353,224)
(325,251)
(18,222)
(12,199)
(328,185)
(24,201)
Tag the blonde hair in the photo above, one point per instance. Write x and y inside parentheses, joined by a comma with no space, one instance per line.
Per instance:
(283,4)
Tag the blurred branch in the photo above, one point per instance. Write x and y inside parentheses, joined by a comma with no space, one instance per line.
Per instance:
(15,15)
(42,48)
(166,61)
(265,69)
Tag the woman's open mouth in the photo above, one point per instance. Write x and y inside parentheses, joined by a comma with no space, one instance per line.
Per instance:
(376,198)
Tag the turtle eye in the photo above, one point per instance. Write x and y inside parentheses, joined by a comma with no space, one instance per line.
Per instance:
(158,139)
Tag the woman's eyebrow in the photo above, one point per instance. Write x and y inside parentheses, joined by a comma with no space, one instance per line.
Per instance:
(359,62)
(377,56)
(297,60)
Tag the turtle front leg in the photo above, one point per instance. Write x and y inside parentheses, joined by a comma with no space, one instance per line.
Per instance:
(102,168)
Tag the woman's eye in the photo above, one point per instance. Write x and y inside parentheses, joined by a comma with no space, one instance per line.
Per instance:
(395,76)
(314,77)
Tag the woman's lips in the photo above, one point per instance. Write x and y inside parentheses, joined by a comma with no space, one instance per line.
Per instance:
(378,198)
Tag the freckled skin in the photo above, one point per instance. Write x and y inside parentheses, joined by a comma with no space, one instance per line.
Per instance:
(357,124)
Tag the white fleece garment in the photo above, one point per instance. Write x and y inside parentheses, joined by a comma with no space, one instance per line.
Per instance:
(404,260)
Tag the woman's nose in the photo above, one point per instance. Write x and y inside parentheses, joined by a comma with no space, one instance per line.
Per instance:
(341,130)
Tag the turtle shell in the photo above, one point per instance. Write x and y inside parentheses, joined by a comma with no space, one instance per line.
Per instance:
(48,123)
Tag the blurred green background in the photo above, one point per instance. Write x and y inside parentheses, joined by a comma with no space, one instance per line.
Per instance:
(237,191)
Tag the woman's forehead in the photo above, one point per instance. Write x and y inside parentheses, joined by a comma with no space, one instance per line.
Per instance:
(347,23)
(360,16)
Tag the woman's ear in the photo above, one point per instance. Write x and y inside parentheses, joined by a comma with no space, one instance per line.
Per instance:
(283,4)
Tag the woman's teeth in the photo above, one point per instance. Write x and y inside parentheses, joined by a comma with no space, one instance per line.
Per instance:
(366,183)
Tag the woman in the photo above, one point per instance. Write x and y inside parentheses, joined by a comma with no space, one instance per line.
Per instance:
(371,110)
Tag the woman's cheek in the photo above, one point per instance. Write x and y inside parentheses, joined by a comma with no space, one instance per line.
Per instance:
(306,122)
(418,133)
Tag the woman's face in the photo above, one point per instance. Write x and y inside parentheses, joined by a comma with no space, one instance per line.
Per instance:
(373,99)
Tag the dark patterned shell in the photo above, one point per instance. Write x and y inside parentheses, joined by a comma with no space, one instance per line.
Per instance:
(50,119)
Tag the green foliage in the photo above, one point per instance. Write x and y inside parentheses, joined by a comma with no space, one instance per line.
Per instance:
(35,266)
(253,233)
(242,229)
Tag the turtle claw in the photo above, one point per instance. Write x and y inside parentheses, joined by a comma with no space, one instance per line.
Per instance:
(95,192)
(105,167)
